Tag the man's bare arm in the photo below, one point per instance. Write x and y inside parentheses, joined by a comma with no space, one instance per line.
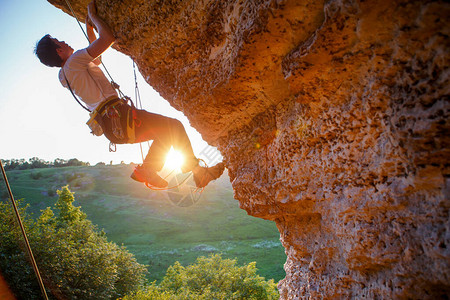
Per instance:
(92,37)
(105,35)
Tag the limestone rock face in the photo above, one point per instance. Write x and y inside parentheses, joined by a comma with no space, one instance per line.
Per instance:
(333,119)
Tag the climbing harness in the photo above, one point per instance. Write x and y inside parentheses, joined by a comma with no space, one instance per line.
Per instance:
(24,234)
(113,110)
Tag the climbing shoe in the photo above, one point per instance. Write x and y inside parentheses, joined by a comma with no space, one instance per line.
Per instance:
(203,175)
(142,174)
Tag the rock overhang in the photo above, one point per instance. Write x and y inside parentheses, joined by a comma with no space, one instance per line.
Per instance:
(332,118)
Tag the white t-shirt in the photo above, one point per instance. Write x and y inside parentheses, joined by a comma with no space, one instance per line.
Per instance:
(86,79)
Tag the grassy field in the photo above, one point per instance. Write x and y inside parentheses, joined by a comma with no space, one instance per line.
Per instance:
(159,227)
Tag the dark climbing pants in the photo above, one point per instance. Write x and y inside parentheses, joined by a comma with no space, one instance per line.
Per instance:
(165,132)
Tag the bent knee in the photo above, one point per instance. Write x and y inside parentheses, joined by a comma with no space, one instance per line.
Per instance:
(175,124)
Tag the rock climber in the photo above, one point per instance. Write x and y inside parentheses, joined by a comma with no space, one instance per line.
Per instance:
(81,75)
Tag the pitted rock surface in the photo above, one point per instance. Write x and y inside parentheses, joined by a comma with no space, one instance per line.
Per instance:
(333,119)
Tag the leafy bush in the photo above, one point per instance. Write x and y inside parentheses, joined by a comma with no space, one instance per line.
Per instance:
(210,278)
(75,259)
(13,259)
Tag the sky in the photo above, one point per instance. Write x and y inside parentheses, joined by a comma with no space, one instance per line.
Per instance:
(40,118)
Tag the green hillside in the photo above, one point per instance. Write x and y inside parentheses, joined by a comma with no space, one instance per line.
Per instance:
(159,227)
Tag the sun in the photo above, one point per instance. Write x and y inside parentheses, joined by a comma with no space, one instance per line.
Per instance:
(174,160)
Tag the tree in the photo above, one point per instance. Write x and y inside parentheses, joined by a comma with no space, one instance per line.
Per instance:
(75,162)
(59,162)
(75,259)
(13,257)
(36,162)
(210,278)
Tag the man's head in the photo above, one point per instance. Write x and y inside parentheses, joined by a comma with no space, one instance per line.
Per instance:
(52,52)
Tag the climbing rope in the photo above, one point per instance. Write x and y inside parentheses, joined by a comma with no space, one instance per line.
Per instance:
(30,252)
(137,97)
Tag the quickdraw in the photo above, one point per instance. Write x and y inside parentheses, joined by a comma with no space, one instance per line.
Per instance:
(114,115)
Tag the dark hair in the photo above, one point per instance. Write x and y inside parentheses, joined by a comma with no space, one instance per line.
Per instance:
(45,50)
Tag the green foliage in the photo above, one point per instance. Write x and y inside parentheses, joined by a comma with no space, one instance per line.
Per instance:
(68,214)
(13,259)
(210,278)
(151,227)
(75,259)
